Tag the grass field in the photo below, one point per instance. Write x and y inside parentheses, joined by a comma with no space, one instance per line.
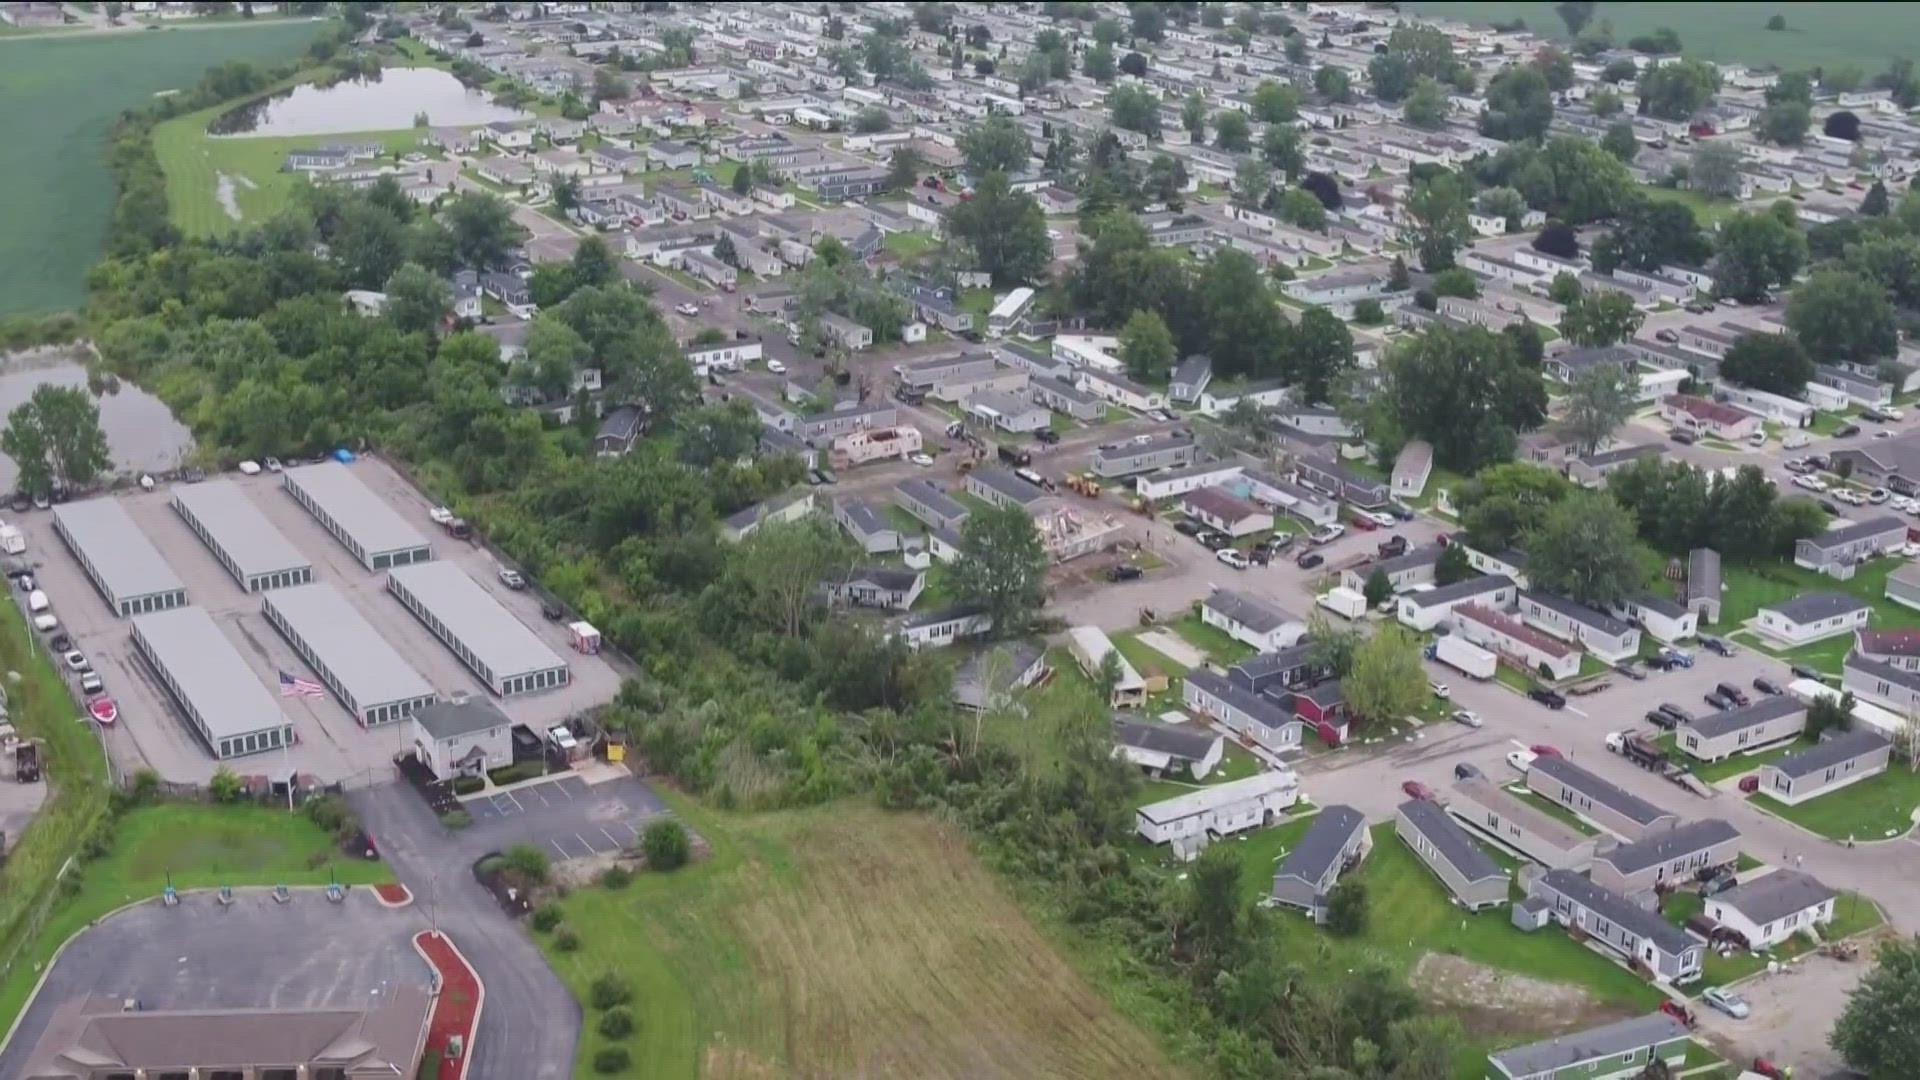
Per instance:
(1863,34)
(197,847)
(841,942)
(61,95)
(1852,914)
(1747,588)
(1869,810)
(1715,771)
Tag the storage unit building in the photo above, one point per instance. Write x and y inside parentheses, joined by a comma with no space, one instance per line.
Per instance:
(240,536)
(349,655)
(499,648)
(118,559)
(362,521)
(217,692)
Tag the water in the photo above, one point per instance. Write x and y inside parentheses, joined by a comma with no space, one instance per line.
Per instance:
(388,103)
(141,432)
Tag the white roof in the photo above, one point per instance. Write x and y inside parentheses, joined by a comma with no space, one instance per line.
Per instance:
(1093,645)
(1220,795)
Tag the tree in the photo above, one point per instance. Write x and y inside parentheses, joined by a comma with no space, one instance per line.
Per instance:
(1280,148)
(1715,169)
(1232,132)
(1332,648)
(1650,233)
(1785,122)
(1006,229)
(1758,253)
(1413,52)
(1599,318)
(1193,116)
(1134,64)
(1875,204)
(1519,104)
(1777,23)
(1333,84)
(1320,354)
(1507,501)
(1377,588)
(1619,140)
(1504,203)
(1134,108)
(905,168)
(1252,183)
(1828,713)
(1679,88)
(608,85)
(872,119)
(1147,346)
(1558,239)
(1387,680)
(1464,391)
(1586,548)
(1842,315)
(225,786)
(1619,71)
(483,228)
(1453,565)
(996,144)
(665,844)
(1599,400)
(1841,125)
(1275,102)
(1098,63)
(1347,908)
(1878,1033)
(54,437)
(1398,279)
(1325,188)
(1241,325)
(1002,567)
(1576,15)
(1437,220)
(1456,281)
(1369,312)
(782,566)
(1565,288)
(1426,106)
(1774,363)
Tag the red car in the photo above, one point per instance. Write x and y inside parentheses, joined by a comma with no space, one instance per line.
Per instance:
(1417,790)
(1544,750)
(1363,524)
(104,710)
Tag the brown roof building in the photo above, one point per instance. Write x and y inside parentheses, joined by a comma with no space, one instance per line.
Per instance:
(97,1037)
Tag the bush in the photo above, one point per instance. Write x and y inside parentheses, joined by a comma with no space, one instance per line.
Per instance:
(1368,312)
(456,819)
(616,877)
(609,990)
(513,774)
(566,940)
(467,785)
(527,862)
(332,815)
(611,1059)
(616,1023)
(546,918)
(225,787)
(665,845)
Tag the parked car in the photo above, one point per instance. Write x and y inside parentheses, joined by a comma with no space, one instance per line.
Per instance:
(1683,436)
(1878,496)
(1667,336)
(1470,719)
(1662,720)
(1047,436)
(1188,527)
(1521,759)
(1439,689)
(1550,698)
(1327,534)
(1364,524)
(1309,560)
(511,578)
(1401,512)
(1801,671)
(1378,517)
(1727,1002)
(1717,646)
(90,684)
(76,660)
(1417,790)
(922,460)
(1232,558)
(1123,572)
(687,308)
(1847,431)
(826,476)
(60,643)
(1464,771)
(1678,657)
(551,611)
(273,464)
(250,468)
(1633,672)
(1718,700)
(776,367)
(1768,686)
(1732,693)
(1214,540)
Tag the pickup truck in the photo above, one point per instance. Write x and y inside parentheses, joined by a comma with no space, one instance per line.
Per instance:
(1392,548)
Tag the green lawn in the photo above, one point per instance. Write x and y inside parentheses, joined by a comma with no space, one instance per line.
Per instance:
(1853,914)
(1709,211)
(1552,809)
(1826,423)
(1749,587)
(1236,763)
(196,847)
(1869,810)
(1861,34)
(59,95)
(1712,772)
(911,244)
(1215,642)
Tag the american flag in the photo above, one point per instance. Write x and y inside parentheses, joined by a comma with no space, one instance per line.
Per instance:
(295,686)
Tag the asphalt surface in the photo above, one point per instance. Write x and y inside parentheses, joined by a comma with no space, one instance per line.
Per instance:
(566,818)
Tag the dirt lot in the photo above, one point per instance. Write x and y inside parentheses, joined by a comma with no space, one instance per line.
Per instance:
(1492,1002)
(331,745)
(1793,1010)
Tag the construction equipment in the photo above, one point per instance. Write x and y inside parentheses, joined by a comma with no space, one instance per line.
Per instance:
(1083,484)
(26,761)
(1840,950)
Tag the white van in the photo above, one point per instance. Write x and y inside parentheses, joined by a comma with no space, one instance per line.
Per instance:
(46,623)
(37,601)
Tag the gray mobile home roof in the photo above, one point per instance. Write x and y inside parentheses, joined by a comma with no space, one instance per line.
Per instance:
(126,563)
(864,517)
(209,672)
(1864,530)
(1459,590)
(1258,615)
(1843,747)
(372,523)
(1491,796)
(1815,606)
(1611,795)
(1578,612)
(1777,895)
(1008,484)
(452,719)
(1714,725)
(1188,742)
(347,645)
(1677,842)
(1703,574)
(1593,1044)
(1621,911)
(1313,856)
(1467,858)
(500,641)
(238,528)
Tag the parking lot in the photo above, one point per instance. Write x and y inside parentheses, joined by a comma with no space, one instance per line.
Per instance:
(330,744)
(308,953)
(568,818)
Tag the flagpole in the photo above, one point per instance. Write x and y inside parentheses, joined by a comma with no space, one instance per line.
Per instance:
(286,746)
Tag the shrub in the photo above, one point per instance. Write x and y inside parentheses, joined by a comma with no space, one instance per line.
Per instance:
(467,785)
(546,918)
(616,877)
(611,1059)
(566,940)
(527,862)
(609,990)
(146,786)
(225,787)
(1368,312)
(665,844)
(456,819)
(616,1023)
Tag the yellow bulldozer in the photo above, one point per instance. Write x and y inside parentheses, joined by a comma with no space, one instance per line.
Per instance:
(1083,484)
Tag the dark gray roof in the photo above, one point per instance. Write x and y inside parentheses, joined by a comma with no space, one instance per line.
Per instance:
(885,577)
(1425,555)
(1311,858)
(492,635)
(1193,370)
(863,517)
(1257,615)
(452,719)
(1276,662)
(1675,843)
(1777,895)
(1659,605)
(1007,484)
(1843,747)
(1815,606)
(1578,612)
(1621,911)
(1244,700)
(1007,662)
(1189,743)
(1460,590)
(1604,792)
(1714,725)
(1703,574)
(932,496)
(943,615)
(1620,454)
(1847,534)
(236,527)
(1611,1040)
(1467,858)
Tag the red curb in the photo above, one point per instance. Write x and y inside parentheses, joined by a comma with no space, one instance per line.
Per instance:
(393,894)
(456,1008)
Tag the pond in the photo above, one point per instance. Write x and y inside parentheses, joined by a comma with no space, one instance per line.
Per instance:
(141,432)
(387,103)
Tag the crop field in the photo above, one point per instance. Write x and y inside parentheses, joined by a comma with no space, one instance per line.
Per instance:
(1861,34)
(842,941)
(61,94)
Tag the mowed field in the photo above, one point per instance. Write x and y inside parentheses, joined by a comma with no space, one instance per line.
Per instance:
(1863,34)
(836,942)
(59,95)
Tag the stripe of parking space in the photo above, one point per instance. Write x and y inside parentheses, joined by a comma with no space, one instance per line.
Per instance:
(558,848)
(497,805)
